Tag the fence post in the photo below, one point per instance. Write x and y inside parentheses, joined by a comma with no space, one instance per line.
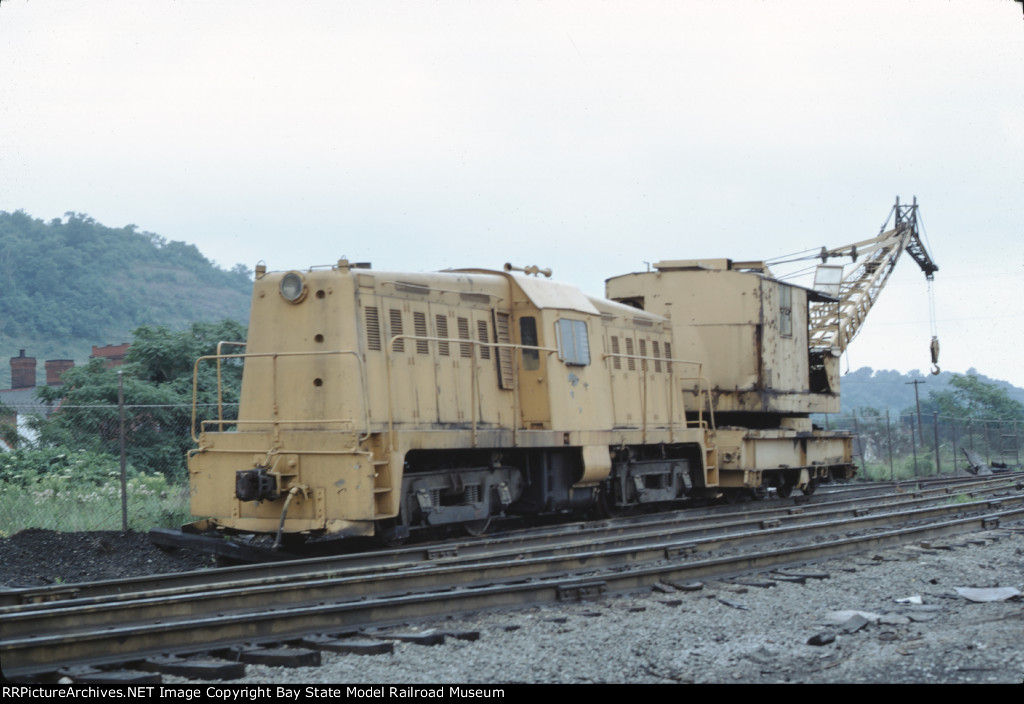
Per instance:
(955,440)
(888,432)
(935,427)
(124,476)
(856,429)
(913,444)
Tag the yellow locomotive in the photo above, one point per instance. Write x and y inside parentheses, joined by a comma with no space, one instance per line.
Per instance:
(375,402)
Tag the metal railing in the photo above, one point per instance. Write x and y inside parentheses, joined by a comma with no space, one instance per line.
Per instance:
(274,421)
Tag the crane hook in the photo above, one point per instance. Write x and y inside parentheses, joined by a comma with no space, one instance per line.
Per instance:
(935,355)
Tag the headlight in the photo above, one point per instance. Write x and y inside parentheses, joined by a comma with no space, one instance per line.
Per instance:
(293,287)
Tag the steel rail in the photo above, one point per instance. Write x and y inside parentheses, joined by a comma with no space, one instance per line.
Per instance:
(64,617)
(160,628)
(667,527)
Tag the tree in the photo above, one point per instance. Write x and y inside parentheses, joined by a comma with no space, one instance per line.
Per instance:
(971,398)
(69,282)
(157,381)
(8,428)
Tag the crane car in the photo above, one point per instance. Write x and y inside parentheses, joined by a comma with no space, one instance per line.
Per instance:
(770,349)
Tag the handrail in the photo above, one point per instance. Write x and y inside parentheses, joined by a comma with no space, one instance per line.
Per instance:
(274,356)
(700,378)
(258,421)
(220,400)
(475,386)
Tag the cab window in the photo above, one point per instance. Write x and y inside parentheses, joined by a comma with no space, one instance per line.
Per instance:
(573,344)
(528,338)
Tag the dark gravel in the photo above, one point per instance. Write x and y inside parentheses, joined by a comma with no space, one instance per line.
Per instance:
(36,557)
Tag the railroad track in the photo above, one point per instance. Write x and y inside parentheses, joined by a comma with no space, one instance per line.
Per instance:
(44,630)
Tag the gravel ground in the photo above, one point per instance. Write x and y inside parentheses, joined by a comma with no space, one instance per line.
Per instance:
(728,633)
(723,633)
(36,557)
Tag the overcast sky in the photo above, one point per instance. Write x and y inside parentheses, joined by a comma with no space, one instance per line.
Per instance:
(589,137)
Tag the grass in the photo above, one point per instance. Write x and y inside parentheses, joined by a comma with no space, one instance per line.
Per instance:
(89,507)
(903,467)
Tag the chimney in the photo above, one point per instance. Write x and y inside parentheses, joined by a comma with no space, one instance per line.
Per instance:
(56,367)
(23,371)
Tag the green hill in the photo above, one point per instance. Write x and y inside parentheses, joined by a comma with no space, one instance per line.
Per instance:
(885,388)
(72,283)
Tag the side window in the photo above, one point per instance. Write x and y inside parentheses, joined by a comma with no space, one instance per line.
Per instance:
(573,344)
(528,337)
(785,311)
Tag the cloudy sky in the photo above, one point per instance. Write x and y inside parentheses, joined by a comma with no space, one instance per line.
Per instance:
(589,137)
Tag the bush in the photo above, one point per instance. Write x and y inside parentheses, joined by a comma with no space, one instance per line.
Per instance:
(25,467)
(75,490)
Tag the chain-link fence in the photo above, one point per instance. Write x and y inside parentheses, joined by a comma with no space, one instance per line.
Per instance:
(890,446)
(63,468)
(96,467)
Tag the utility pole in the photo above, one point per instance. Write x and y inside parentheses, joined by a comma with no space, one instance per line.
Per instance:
(917,398)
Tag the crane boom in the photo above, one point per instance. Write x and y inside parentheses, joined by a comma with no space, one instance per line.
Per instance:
(833,324)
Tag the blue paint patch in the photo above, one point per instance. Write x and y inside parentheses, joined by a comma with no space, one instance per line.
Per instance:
(573,379)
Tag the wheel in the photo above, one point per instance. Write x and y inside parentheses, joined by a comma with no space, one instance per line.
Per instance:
(606,507)
(784,489)
(811,486)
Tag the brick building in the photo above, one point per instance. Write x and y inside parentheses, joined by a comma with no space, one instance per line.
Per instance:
(21,397)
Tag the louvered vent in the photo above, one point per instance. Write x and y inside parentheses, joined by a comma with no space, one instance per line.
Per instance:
(442,331)
(630,363)
(396,329)
(419,324)
(503,331)
(481,335)
(372,328)
(465,349)
(616,362)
